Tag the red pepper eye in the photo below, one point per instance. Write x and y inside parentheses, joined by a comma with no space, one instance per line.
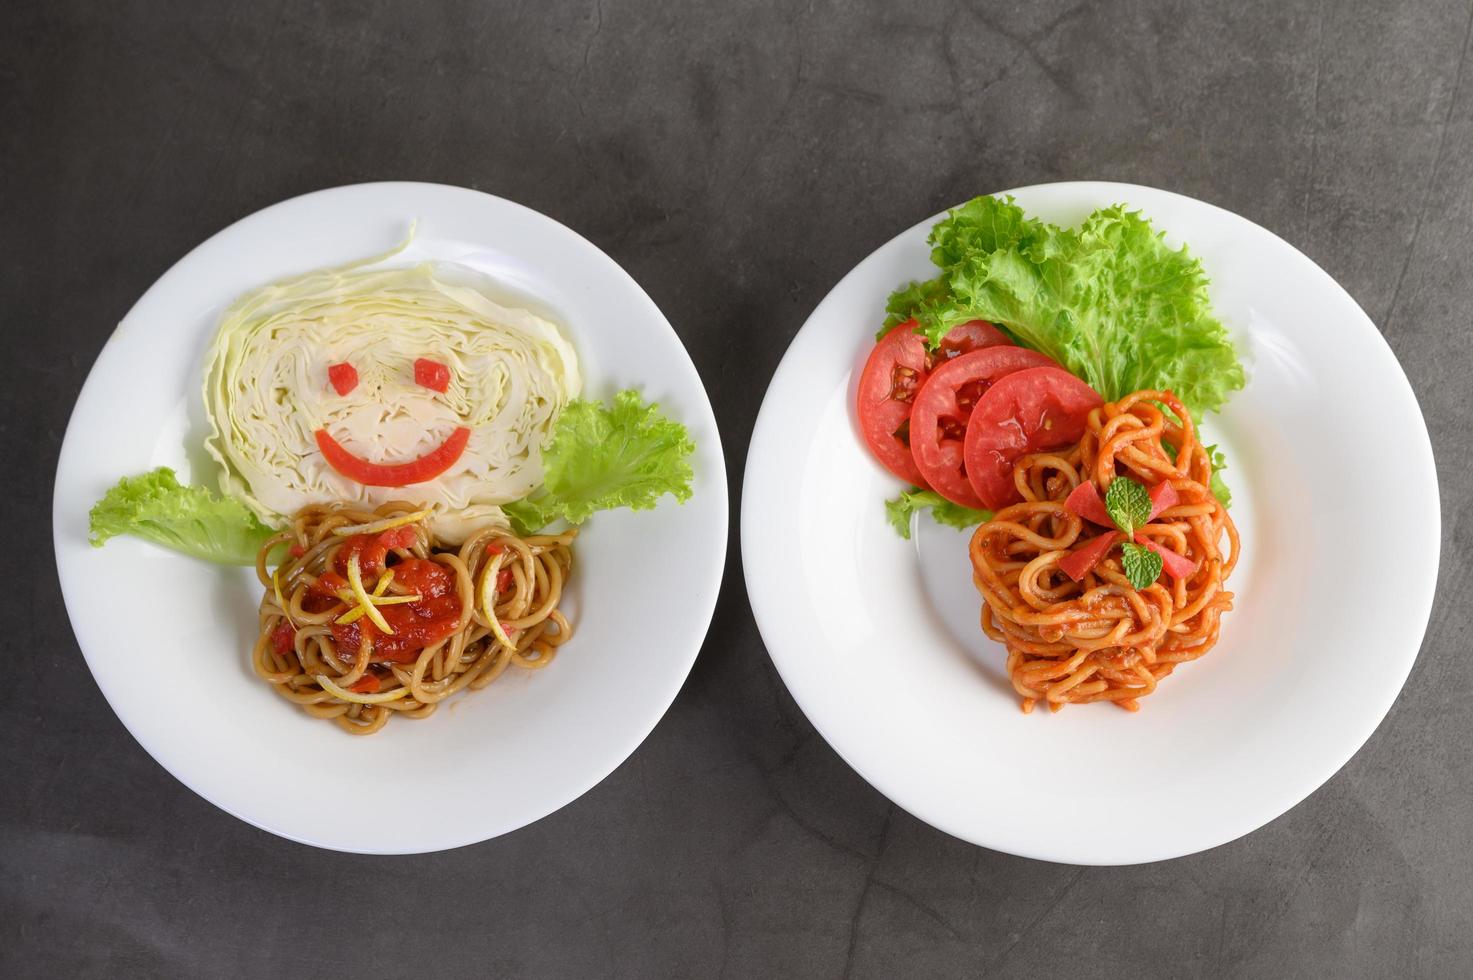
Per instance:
(343,377)
(431,374)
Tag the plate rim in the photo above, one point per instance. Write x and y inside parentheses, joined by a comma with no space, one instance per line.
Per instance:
(717,478)
(767,425)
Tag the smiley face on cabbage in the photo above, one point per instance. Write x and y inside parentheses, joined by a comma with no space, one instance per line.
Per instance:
(370,385)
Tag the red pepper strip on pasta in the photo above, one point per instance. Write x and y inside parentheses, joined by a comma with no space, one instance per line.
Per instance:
(1176,566)
(1085,501)
(1163,495)
(1077,563)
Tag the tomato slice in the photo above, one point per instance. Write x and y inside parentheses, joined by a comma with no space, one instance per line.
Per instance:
(943,407)
(970,336)
(895,371)
(1026,412)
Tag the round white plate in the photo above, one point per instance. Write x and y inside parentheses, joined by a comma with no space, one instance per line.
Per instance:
(877,638)
(168,638)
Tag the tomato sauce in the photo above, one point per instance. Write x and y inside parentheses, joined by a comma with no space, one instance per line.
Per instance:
(416,625)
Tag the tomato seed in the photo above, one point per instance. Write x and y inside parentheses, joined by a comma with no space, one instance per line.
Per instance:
(903,384)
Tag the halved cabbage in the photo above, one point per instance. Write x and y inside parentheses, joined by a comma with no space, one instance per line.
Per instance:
(266,390)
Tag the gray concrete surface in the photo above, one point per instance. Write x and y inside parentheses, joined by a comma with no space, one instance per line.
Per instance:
(737,158)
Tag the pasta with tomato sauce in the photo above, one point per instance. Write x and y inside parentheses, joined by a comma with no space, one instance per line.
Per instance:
(1051,568)
(372,616)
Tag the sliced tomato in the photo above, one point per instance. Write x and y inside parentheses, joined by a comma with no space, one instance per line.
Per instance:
(1078,563)
(895,371)
(943,407)
(1025,412)
(1085,501)
(970,336)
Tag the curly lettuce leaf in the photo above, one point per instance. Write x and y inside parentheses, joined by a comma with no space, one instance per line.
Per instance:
(191,520)
(904,303)
(1218,487)
(943,511)
(1109,301)
(626,455)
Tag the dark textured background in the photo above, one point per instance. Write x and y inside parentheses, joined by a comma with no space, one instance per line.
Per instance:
(737,159)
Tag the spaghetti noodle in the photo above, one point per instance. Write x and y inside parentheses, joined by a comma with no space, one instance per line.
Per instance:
(1100,638)
(371,617)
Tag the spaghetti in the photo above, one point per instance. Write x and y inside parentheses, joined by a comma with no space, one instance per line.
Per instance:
(1100,638)
(370,616)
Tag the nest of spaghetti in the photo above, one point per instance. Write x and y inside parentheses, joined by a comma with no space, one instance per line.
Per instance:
(1098,637)
(370,616)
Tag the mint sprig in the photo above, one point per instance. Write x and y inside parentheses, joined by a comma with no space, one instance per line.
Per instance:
(1142,565)
(1128,504)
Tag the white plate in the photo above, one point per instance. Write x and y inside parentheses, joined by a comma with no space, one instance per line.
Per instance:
(168,638)
(877,638)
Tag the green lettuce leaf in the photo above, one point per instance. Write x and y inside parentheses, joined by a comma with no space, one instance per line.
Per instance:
(192,520)
(627,455)
(1219,462)
(943,511)
(1216,485)
(904,303)
(1109,301)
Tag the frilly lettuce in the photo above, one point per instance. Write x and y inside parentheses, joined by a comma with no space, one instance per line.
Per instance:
(943,511)
(627,455)
(1109,301)
(155,507)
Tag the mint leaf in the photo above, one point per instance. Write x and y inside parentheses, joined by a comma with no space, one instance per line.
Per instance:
(1128,504)
(1142,565)
(943,511)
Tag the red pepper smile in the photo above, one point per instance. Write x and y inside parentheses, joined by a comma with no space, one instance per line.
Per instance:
(419,470)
